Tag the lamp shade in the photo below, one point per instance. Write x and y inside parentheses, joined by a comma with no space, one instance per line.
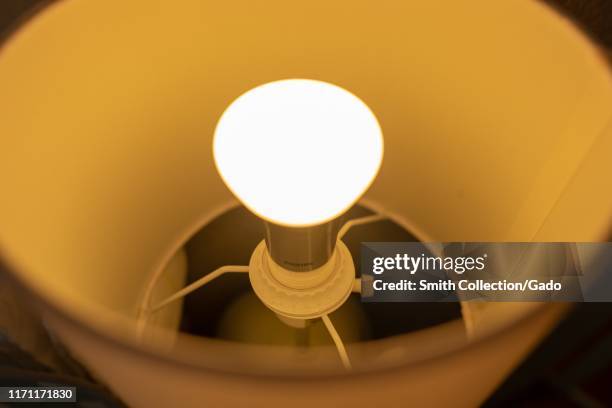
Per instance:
(495,117)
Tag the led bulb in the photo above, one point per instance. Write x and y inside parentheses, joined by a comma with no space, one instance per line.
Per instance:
(298,152)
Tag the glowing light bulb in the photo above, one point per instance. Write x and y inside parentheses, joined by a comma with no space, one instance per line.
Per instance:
(298,152)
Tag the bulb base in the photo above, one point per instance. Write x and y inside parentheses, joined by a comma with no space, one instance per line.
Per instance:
(301,249)
(302,296)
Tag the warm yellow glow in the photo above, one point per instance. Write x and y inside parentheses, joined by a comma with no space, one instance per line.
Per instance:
(298,152)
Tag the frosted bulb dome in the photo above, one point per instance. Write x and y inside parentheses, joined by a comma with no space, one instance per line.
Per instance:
(298,152)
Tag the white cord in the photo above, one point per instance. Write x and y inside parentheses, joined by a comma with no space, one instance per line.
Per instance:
(338,341)
(198,284)
(359,221)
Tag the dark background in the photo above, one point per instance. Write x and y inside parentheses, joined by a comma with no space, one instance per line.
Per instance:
(572,368)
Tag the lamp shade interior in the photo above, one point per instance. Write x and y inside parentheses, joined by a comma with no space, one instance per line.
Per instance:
(494,131)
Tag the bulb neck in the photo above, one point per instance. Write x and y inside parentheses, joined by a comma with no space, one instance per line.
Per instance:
(301,249)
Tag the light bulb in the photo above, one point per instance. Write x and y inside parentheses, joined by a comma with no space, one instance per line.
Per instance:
(298,152)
